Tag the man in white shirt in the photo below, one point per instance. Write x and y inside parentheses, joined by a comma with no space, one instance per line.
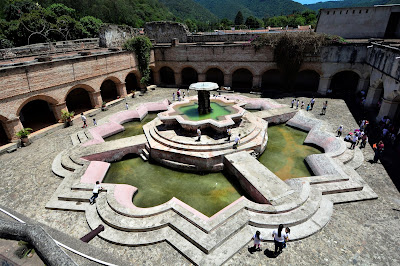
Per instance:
(237,141)
(83,120)
(96,189)
(198,134)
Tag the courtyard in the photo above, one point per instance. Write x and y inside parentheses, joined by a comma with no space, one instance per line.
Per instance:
(364,232)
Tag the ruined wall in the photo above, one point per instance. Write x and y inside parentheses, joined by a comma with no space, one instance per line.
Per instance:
(165,31)
(116,35)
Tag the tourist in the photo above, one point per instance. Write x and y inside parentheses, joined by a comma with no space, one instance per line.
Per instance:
(83,120)
(312,103)
(348,136)
(279,238)
(257,241)
(198,134)
(94,122)
(237,142)
(378,149)
(229,133)
(183,93)
(96,189)
(354,142)
(339,131)
(293,103)
(324,106)
(297,104)
(302,105)
(173,96)
(126,106)
(308,107)
(178,94)
(287,230)
(364,141)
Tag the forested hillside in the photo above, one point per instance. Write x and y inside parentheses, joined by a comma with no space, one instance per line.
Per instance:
(350,3)
(189,9)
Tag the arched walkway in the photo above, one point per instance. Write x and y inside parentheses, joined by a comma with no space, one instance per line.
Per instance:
(307,80)
(108,90)
(167,76)
(242,80)
(78,100)
(215,75)
(271,80)
(3,136)
(37,114)
(189,76)
(132,83)
(344,83)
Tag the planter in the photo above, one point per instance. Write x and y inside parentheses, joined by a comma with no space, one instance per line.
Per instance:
(25,141)
(68,123)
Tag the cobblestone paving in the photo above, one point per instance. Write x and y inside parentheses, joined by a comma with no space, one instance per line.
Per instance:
(365,233)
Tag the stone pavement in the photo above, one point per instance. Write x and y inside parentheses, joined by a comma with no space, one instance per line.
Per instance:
(363,233)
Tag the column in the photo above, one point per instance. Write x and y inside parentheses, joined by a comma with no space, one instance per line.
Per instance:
(121,89)
(56,108)
(201,77)
(324,84)
(388,108)
(11,127)
(257,81)
(95,99)
(228,80)
(178,79)
(373,96)
(157,78)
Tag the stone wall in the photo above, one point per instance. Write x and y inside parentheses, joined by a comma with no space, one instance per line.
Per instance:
(116,35)
(165,31)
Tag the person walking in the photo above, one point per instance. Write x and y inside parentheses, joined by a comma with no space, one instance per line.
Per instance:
(96,189)
(257,241)
(229,133)
(297,104)
(308,107)
(279,238)
(287,231)
(198,134)
(237,142)
(378,149)
(302,105)
(324,106)
(126,106)
(94,122)
(83,120)
(312,103)
(354,142)
(293,101)
(173,96)
(339,131)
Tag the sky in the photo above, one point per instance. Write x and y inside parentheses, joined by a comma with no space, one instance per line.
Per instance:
(311,1)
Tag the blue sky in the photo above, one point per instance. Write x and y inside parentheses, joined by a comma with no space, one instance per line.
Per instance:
(311,1)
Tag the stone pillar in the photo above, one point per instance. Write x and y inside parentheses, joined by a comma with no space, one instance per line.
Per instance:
(204,102)
(362,84)
(95,99)
(388,108)
(373,96)
(178,79)
(324,84)
(257,81)
(156,77)
(228,80)
(121,89)
(56,108)
(11,127)
(201,77)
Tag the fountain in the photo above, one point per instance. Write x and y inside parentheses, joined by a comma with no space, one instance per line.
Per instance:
(203,95)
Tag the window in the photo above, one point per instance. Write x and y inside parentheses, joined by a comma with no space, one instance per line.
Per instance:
(327,13)
(366,11)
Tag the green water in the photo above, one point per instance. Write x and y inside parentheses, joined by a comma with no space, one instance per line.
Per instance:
(156,184)
(132,128)
(217,112)
(285,152)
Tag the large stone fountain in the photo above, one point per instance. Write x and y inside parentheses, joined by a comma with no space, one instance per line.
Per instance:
(203,94)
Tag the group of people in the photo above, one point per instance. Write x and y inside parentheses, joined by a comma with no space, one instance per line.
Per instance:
(179,95)
(310,106)
(280,239)
(357,136)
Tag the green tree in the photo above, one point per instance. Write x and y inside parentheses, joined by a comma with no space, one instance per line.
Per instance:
(192,26)
(91,25)
(226,23)
(239,18)
(61,10)
(15,8)
(252,23)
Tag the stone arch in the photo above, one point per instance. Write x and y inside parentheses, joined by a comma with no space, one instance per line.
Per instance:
(271,80)
(167,76)
(307,80)
(215,75)
(78,99)
(242,80)
(189,76)
(132,82)
(108,89)
(36,112)
(344,82)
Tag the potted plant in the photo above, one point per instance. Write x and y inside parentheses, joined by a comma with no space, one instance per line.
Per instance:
(104,106)
(23,135)
(66,117)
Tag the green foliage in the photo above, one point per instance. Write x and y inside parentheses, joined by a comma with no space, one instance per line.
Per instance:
(253,23)
(13,9)
(141,46)
(189,9)
(23,133)
(92,25)
(65,115)
(291,48)
(307,17)
(350,3)
(61,10)
(239,18)
(192,26)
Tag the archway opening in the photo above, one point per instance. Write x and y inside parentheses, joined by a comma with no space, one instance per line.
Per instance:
(242,80)
(189,76)
(108,90)
(151,80)
(344,83)
(307,81)
(167,76)
(215,75)
(78,100)
(131,83)
(3,136)
(37,114)
(272,82)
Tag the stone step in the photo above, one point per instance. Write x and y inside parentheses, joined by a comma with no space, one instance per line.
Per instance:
(357,160)
(67,163)
(365,194)
(57,168)
(339,187)
(75,195)
(75,139)
(145,153)
(82,136)
(178,165)
(324,179)
(143,157)
(67,205)
(347,156)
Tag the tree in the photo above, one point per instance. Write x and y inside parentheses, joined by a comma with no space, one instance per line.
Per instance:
(191,25)
(239,18)
(252,23)
(225,23)
(91,25)
(15,8)
(61,10)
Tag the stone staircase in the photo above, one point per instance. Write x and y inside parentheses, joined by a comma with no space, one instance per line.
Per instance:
(80,137)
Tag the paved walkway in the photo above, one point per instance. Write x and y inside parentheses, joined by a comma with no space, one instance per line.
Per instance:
(364,233)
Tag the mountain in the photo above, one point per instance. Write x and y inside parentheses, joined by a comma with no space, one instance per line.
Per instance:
(189,9)
(350,3)
(258,8)
(130,12)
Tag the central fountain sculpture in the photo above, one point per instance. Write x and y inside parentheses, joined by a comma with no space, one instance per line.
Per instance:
(203,95)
